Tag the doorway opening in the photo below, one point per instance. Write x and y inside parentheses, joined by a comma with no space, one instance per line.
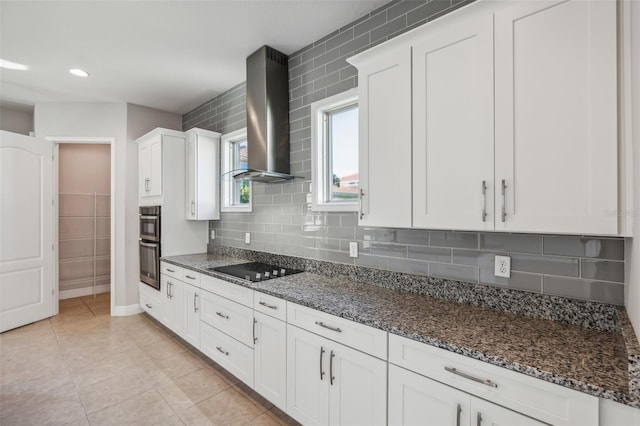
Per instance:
(85,229)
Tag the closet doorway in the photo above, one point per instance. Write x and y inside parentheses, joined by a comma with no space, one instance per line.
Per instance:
(84,226)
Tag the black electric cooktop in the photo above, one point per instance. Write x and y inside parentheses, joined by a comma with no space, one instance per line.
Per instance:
(255,271)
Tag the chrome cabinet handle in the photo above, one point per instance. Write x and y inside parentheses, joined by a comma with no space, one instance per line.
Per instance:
(222,350)
(170,270)
(331,377)
(470,377)
(255,339)
(148,306)
(195,307)
(361,209)
(458,411)
(193,208)
(190,277)
(321,324)
(147,184)
(268,305)
(220,314)
(479,419)
(321,372)
(484,200)
(504,200)
(168,289)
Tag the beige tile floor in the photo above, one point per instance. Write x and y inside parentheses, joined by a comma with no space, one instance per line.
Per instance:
(84,367)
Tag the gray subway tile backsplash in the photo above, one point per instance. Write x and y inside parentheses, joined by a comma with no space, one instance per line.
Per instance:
(282,222)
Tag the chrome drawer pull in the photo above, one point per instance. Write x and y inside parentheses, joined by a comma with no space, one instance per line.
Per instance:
(148,306)
(220,314)
(170,270)
(268,305)
(467,376)
(190,277)
(222,350)
(321,324)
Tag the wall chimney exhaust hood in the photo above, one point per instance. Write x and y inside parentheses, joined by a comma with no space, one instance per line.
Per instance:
(267,117)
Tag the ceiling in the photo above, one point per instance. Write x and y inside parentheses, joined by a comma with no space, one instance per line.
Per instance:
(170,55)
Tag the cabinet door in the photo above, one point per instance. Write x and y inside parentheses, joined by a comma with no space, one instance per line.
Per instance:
(484,413)
(155,161)
(453,125)
(417,400)
(270,359)
(385,138)
(307,377)
(192,315)
(556,117)
(191,170)
(144,169)
(358,387)
(172,292)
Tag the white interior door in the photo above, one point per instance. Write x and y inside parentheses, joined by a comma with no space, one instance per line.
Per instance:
(26,225)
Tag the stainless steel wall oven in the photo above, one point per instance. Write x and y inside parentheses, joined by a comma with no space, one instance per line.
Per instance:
(150,246)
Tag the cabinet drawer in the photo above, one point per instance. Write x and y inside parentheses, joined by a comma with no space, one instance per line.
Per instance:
(350,333)
(230,317)
(171,270)
(228,352)
(542,400)
(270,305)
(191,277)
(226,289)
(150,301)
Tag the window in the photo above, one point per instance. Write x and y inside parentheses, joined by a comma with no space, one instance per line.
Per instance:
(236,194)
(335,177)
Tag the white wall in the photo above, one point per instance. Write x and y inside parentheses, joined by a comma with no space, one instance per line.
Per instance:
(124,122)
(16,120)
(632,299)
(140,120)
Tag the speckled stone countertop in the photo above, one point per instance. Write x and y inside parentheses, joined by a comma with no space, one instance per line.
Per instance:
(596,362)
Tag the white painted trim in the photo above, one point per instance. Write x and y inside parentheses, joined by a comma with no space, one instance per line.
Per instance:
(85,291)
(318,160)
(225,162)
(124,311)
(86,140)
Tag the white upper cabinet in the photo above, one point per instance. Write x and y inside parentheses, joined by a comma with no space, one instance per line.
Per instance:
(453,125)
(512,108)
(150,167)
(556,117)
(203,172)
(385,137)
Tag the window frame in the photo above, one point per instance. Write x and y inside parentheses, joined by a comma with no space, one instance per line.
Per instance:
(320,152)
(227,183)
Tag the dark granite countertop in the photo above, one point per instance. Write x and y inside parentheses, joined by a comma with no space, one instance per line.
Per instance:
(591,361)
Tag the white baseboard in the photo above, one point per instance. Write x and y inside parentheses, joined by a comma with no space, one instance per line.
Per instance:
(123,311)
(86,291)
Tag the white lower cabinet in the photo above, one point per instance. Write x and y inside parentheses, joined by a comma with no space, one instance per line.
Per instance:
(270,359)
(192,303)
(417,400)
(234,356)
(329,383)
(172,292)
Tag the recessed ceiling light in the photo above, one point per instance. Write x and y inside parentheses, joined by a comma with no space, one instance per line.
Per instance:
(12,65)
(79,72)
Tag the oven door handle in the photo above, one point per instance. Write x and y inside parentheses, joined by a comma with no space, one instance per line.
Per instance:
(151,245)
(149,217)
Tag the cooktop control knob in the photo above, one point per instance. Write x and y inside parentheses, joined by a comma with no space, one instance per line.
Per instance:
(267,276)
(282,272)
(275,273)
(258,277)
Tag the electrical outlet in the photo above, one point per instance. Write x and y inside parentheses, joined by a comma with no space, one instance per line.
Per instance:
(353,249)
(213,234)
(502,267)
(247,238)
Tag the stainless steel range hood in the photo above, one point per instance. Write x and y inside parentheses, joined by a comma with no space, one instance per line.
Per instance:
(267,117)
